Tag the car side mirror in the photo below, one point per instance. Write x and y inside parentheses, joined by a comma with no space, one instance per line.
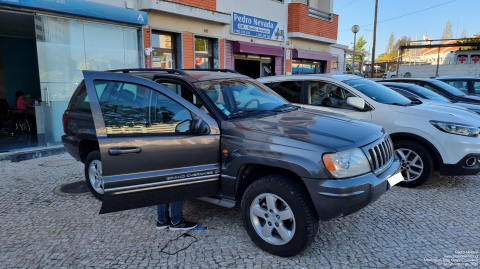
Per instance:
(199,127)
(356,102)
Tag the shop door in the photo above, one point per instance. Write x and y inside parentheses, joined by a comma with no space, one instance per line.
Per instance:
(248,68)
(65,48)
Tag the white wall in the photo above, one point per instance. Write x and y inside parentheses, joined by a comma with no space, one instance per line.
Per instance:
(341,60)
(426,71)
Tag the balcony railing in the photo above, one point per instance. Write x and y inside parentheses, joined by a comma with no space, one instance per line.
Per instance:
(319,14)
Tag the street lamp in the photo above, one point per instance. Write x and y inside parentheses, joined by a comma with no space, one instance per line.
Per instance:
(355,30)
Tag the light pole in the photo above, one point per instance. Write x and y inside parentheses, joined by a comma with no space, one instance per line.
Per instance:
(355,30)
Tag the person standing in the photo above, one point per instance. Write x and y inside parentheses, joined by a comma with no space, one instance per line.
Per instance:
(173,218)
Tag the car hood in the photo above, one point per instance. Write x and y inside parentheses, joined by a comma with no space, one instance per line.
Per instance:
(452,105)
(311,126)
(443,112)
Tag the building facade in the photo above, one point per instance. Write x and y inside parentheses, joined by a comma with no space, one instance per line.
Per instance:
(254,37)
(45,45)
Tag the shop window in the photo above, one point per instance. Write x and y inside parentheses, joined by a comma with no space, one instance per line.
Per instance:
(203,53)
(335,63)
(328,95)
(164,53)
(307,67)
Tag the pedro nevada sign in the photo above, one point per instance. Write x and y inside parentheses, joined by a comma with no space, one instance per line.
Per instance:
(257,27)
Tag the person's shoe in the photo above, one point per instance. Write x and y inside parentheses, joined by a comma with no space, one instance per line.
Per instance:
(161,226)
(183,225)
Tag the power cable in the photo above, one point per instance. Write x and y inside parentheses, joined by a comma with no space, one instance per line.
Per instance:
(345,6)
(404,15)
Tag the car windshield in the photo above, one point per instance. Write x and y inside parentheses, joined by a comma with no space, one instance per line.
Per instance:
(428,93)
(448,88)
(378,92)
(236,97)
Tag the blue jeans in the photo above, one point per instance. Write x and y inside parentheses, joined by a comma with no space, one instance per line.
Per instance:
(175,212)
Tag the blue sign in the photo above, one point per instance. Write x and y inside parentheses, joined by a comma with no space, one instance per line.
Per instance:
(257,27)
(84,9)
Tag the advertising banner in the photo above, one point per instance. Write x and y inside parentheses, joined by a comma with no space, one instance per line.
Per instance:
(257,27)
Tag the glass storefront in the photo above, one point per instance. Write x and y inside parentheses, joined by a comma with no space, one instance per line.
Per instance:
(65,48)
(164,53)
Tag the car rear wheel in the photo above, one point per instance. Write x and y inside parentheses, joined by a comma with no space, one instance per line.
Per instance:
(416,163)
(279,216)
(93,174)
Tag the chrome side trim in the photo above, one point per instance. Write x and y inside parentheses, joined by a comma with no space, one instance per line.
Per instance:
(175,181)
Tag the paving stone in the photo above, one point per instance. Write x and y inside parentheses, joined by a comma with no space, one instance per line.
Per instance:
(405,228)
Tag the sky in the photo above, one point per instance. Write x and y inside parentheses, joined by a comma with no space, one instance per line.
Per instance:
(431,22)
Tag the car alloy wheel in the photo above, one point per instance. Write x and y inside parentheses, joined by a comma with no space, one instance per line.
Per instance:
(95,175)
(411,164)
(272,219)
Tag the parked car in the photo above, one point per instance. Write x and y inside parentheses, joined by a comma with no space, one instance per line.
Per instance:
(426,95)
(441,88)
(467,84)
(149,137)
(391,74)
(426,137)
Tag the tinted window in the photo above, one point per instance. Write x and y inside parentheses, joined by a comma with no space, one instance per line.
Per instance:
(404,93)
(429,93)
(378,92)
(448,88)
(290,90)
(328,95)
(476,86)
(82,102)
(459,84)
(134,109)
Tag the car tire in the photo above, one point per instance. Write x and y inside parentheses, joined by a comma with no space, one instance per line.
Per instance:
(416,163)
(289,216)
(93,174)
(393,76)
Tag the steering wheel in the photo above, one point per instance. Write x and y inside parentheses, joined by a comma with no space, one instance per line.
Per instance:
(249,102)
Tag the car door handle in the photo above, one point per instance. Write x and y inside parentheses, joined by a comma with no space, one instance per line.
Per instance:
(118,151)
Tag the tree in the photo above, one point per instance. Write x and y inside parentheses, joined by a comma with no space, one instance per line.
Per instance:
(401,41)
(360,46)
(475,39)
(464,33)
(447,32)
(390,45)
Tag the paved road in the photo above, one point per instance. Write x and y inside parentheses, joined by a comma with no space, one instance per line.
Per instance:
(406,228)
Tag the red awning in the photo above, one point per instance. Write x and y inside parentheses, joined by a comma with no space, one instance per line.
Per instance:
(311,55)
(249,47)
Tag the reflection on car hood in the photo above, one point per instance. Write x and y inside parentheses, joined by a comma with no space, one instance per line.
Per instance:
(440,112)
(312,126)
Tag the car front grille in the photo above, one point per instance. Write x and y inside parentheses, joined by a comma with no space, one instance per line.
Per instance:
(380,154)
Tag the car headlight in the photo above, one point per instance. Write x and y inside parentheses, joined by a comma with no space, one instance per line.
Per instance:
(456,128)
(347,163)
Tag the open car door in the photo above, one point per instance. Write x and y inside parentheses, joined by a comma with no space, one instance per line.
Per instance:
(155,146)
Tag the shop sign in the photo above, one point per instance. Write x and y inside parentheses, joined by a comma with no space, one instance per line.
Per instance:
(85,9)
(257,27)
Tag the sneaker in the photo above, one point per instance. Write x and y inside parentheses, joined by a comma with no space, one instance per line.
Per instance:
(183,225)
(161,226)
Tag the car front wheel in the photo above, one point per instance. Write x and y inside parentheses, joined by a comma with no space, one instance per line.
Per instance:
(93,174)
(416,163)
(279,216)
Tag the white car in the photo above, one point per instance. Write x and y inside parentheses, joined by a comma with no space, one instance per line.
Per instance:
(391,74)
(426,137)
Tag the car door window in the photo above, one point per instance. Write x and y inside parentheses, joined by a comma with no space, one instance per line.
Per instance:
(187,94)
(328,95)
(476,86)
(290,90)
(459,84)
(426,86)
(134,109)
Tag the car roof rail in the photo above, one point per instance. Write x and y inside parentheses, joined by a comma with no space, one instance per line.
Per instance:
(215,70)
(170,71)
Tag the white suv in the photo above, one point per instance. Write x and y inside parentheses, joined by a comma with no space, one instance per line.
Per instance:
(426,137)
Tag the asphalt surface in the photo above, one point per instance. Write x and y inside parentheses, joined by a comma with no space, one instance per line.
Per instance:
(436,225)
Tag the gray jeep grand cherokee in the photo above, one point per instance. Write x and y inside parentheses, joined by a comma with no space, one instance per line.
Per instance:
(156,136)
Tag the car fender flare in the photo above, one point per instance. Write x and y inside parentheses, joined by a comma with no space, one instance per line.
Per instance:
(430,146)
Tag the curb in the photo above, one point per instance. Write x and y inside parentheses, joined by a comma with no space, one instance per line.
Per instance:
(28,155)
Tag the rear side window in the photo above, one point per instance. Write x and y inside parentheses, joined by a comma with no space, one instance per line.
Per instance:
(82,102)
(461,85)
(129,108)
(476,87)
(290,90)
